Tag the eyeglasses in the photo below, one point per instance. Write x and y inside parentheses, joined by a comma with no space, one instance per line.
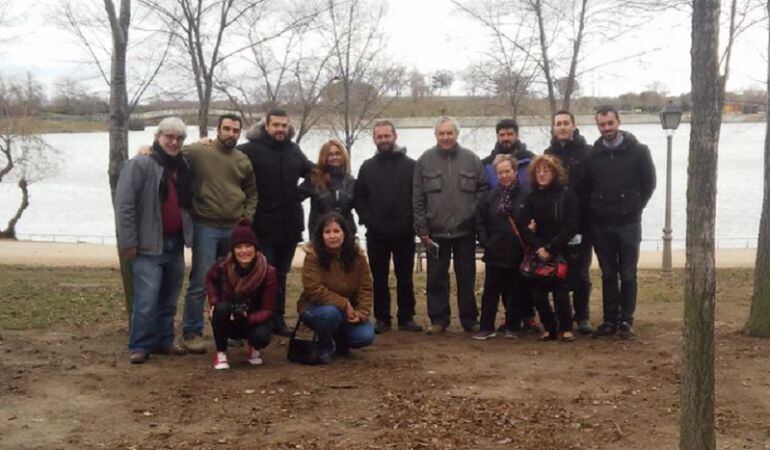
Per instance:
(173,137)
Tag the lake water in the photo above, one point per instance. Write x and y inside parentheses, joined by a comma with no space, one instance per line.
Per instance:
(75,204)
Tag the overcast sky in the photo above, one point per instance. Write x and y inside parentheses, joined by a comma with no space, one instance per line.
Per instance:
(431,35)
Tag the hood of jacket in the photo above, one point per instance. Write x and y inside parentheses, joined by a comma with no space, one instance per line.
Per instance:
(258,132)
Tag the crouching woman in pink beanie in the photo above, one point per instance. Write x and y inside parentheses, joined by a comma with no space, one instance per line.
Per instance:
(241,290)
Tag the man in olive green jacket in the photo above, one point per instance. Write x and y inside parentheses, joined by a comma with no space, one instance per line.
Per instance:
(448,181)
(224,191)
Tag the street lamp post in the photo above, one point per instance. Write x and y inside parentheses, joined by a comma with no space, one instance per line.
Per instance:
(670,116)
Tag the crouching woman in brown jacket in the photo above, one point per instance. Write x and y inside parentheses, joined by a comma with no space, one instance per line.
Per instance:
(337,289)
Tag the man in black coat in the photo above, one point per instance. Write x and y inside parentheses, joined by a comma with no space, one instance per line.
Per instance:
(622,177)
(572,150)
(383,200)
(279,220)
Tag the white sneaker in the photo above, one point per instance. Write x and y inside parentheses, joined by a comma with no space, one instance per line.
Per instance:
(220,361)
(254,357)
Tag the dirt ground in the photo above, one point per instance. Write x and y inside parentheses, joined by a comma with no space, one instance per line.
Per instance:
(69,385)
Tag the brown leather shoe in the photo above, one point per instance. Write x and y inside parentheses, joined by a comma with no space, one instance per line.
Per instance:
(436,329)
(139,357)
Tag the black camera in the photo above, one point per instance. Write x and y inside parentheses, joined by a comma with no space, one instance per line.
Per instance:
(239,309)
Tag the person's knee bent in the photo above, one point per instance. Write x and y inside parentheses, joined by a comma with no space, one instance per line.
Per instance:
(260,335)
(361,335)
(221,312)
(326,317)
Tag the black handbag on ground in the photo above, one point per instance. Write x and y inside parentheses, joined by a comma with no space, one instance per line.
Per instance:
(303,351)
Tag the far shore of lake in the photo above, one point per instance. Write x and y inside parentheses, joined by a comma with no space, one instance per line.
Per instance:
(91,125)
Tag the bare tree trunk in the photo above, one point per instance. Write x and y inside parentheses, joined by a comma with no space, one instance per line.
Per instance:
(575,57)
(546,63)
(118,122)
(10,230)
(697,389)
(759,317)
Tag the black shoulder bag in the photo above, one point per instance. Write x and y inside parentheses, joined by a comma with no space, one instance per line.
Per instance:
(303,351)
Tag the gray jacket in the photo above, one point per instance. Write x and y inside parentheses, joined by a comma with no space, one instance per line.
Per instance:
(446,187)
(137,207)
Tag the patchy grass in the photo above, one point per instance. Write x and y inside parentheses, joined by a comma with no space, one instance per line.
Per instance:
(40,297)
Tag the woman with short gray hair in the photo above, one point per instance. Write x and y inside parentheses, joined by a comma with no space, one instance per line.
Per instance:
(503,251)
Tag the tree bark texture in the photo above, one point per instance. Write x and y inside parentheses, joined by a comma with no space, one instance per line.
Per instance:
(118,121)
(537,6)
(759,317)
(10,230)
(697,389)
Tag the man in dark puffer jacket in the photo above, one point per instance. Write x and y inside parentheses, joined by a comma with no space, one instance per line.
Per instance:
(622,177)
(571,148)
(279,220)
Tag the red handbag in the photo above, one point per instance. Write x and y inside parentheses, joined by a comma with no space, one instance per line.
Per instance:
(551,269)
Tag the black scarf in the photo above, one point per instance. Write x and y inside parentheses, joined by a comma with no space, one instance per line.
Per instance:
(183,175)
(337,177)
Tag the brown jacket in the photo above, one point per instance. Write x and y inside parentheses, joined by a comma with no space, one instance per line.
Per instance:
(335,286)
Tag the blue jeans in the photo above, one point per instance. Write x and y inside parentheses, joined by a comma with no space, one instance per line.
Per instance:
(157,282)
(617,248)
(209,242)
(332,328)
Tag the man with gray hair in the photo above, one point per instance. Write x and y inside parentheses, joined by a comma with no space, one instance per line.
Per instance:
(448,180)
(152,205)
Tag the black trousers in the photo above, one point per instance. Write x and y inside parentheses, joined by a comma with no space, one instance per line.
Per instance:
(280,257)
(617,248)
(463,249)
(579,277)
(562,319)
(379,252)
(506,283)
(225,327)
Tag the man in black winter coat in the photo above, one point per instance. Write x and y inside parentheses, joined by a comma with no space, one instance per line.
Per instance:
(571,148)
(279,220)
(622,177)
(383,200)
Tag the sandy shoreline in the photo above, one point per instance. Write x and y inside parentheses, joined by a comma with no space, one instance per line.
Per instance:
(96,255)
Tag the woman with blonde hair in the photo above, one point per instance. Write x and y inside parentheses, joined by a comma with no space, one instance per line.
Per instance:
(330,186)
(551,212)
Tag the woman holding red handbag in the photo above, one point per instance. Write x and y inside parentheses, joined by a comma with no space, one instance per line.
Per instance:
(551,210)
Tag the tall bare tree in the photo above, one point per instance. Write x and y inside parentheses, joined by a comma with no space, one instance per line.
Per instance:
(365,74)
(119,20)
(211,32)
(759,318)
(507,69)
(291,72)
(92,30)
(708,94)
(557,35)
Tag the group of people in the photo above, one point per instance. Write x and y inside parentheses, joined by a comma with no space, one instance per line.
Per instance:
(239,208)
